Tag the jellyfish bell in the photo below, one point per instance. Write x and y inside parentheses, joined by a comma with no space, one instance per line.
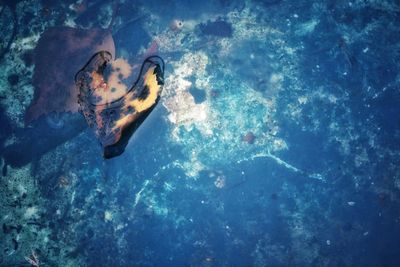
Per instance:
(111,108)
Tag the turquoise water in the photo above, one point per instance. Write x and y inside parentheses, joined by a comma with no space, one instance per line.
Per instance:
(275,141)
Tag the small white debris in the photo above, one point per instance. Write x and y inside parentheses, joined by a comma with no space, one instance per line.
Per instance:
(317,176)
(119,227)
(276,78)
(302,100)
(351,203)
(307,27)
(108,216)
(31,212)
(365,233)
(365,50)
(328,242)
(21,189)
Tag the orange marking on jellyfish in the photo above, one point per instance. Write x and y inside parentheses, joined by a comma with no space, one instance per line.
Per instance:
(116,113)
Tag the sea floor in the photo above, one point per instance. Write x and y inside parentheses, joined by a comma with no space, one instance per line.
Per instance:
(276,141)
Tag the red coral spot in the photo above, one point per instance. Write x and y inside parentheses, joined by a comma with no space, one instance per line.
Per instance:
(249,138)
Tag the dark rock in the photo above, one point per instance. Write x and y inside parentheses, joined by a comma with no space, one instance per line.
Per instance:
(6,229)
(10,3)
(4,170)
(13,79)
(217,28)
(15,244)
(27,57)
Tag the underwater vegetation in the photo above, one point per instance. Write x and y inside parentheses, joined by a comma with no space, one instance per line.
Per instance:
(269,133)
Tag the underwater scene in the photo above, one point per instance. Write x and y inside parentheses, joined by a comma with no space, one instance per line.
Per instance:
(200,133)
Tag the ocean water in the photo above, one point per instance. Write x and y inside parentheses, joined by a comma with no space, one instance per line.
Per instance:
(275,142)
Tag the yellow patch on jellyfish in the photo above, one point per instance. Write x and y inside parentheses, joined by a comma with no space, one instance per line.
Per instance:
(140,105)
(150,80)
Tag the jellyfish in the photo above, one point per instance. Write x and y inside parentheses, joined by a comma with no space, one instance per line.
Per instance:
(112,109)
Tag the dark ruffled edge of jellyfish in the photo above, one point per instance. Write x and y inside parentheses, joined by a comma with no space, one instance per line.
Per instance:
(112,149)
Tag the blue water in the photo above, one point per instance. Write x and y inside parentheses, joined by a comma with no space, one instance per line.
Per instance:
(276,141)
